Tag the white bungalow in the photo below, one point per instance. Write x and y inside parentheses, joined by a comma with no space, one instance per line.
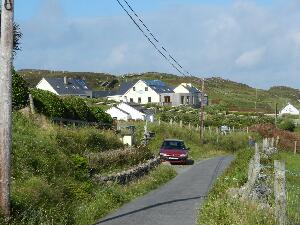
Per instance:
(289,109)
(125,112)
(118,114)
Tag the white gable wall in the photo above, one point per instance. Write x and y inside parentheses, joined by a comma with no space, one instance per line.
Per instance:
(117,113)
(289,109)
(181,89)
(135,114)
(140,92)
(44,85)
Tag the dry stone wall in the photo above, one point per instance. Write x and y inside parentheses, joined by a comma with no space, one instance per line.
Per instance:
(129,175)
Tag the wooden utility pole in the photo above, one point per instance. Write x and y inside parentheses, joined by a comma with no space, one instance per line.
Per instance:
(202,113)
(6,51)
(276,112)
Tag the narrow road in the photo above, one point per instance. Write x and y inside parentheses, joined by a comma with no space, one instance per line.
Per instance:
(174,203)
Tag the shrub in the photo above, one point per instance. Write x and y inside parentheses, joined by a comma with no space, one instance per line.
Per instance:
(77,109)
(287,124)
(101,116)
(20,91)
(48,103)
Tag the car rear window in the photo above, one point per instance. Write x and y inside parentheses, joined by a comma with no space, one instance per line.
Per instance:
(173,145)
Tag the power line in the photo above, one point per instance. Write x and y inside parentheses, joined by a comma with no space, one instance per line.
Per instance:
(169,60)
(155,38)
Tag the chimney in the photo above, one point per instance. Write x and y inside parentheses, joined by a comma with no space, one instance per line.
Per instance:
(65,80)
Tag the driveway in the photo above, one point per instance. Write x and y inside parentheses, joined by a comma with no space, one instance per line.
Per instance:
(174,203)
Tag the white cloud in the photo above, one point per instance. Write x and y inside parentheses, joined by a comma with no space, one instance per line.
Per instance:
(251,58)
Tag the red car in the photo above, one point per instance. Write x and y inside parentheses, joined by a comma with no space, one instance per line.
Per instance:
(174,151)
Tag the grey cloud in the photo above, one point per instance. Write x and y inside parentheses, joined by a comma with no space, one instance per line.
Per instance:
(244,41)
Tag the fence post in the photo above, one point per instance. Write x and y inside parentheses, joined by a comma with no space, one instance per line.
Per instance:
(233,129)
(279,192)
(247,130)
(295,148)
(159,122)
(180,123)
(277,141)
(171,121)
(189,126)
(31,104)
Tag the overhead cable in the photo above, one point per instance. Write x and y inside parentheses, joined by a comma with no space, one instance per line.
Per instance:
(168,58)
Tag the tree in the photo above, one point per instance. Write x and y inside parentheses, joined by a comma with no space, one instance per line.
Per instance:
(17,36)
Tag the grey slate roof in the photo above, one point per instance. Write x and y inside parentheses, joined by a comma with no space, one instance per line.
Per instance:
(124,87)
(159,86)
(192,89)
(74,86)
(103,94)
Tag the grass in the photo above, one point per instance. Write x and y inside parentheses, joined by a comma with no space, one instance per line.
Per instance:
(220,209)
(292,186)
(51,180)
(213,145)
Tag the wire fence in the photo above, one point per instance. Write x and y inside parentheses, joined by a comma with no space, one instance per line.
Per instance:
(292,192)
(80,123)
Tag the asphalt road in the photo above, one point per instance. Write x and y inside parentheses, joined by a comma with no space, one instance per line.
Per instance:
(174,203)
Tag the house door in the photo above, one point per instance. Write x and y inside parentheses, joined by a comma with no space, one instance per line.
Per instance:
(167,99)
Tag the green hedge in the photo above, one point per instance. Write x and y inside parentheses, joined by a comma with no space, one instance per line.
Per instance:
(20,91)
(100,115)
(77,109)
(48,103)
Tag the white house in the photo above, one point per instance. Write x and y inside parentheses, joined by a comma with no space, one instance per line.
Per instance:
(65,86)
(118,114)
(187,94)
(149,91)
(157,92)
(289,109)
(124,111)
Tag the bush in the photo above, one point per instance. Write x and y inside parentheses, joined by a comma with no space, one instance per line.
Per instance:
(77,109)
(287,124)
(101,116)
(48,103)
(20,91)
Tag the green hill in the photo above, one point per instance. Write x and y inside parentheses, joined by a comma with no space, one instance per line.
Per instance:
(235,96)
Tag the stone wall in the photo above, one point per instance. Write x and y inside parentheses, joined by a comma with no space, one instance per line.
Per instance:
(129,175)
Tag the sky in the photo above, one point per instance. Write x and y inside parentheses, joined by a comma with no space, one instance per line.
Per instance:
(256,42)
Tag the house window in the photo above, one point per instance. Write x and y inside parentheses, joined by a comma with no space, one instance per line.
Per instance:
(167,99)
(182,100)
(139,100)
(133,88)
(149,99)
(146,88)
(131,99)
